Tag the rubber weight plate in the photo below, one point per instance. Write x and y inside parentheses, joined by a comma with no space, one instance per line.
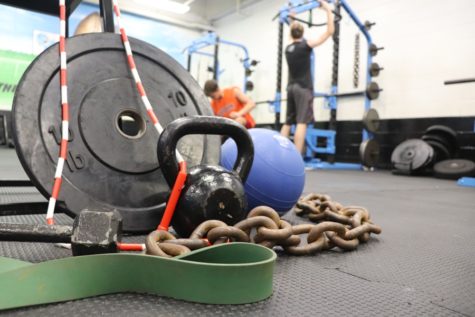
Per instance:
(444,134)
(454,169)
(369,152)
(441,128)
(440,151)
(412,155)
(111,162)
(371,120)
(433,138)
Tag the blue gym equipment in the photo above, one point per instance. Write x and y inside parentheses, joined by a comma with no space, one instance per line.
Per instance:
(212,39)
(369,149)
(277,175)
(466,182)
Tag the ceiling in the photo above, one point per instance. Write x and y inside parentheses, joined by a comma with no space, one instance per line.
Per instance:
(202,14)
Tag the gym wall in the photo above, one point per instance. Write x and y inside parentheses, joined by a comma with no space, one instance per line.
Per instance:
(426,42)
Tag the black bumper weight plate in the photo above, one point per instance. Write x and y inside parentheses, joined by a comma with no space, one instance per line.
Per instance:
(106,168)
(441,128)
(371,120)
(412,155)
(440,150)
(454,169)
(369,153)
(450,147)
(444,134)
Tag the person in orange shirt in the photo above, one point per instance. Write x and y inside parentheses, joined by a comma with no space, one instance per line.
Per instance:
(230,103)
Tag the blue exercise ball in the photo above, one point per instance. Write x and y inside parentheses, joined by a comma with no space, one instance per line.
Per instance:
(277,175)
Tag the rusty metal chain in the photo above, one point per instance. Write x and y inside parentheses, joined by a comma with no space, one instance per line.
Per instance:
(356,62)
(339,226)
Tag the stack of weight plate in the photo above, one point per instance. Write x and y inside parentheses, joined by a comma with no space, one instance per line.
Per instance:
(418,156)
(443,140)
(412,157)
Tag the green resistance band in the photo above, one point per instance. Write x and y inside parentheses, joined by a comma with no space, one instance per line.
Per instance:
(233,273)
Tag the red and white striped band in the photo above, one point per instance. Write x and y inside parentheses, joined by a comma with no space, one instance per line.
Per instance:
(63,149)
(65,106)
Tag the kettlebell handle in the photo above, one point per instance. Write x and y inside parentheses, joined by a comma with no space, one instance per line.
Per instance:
(174,131)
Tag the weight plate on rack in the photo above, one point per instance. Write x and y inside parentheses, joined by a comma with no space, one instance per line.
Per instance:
(372,90)
(369,152)
(111,161)
(412,155)
(371,120)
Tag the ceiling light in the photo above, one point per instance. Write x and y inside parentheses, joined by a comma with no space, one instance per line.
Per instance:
(167,5)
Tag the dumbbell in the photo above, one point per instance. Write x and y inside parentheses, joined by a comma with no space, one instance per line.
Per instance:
(93,232)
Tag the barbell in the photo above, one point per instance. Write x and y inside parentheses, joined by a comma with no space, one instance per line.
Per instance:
(372,92)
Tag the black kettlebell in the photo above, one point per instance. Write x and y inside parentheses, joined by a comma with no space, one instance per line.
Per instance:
(210,192)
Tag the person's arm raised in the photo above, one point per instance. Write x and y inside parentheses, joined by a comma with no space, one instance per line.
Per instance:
(330,27)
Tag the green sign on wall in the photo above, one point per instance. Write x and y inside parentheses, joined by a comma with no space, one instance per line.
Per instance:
(12,66)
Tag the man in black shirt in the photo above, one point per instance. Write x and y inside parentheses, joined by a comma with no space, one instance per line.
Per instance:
(300,84)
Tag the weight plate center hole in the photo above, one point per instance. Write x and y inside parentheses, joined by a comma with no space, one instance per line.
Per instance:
(130,124)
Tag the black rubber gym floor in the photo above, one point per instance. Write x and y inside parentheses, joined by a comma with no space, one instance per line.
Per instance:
(423,264)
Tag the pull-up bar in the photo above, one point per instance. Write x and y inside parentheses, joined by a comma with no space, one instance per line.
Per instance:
(287,13)
(296,7)
(211,39)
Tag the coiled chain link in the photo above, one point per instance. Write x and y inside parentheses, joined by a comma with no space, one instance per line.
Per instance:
(339,226)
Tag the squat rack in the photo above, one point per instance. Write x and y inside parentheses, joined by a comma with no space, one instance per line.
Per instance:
(212,39)
(331,97)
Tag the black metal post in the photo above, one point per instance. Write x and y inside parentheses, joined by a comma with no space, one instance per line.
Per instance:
(107,15)
(350,94)
(459,81)
(67,26)
(280,43)
(188,64)
(216,60)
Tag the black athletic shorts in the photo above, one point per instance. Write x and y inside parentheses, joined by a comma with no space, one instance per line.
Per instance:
(299,105)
